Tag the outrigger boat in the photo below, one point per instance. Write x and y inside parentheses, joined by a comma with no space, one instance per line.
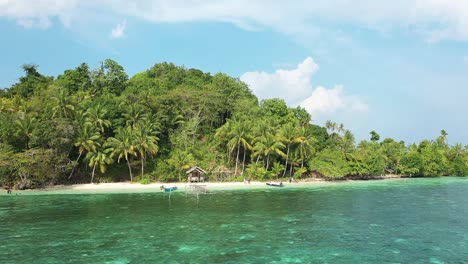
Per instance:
(275,184)
(170,189)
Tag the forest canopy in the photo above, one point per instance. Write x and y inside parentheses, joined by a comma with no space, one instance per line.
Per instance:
(101,125)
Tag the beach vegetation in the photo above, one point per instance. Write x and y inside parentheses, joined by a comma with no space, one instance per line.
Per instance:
(103,125)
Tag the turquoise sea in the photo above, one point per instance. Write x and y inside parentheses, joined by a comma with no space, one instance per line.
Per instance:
(391,221)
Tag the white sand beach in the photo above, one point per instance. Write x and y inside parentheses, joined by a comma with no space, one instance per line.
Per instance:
(129,187)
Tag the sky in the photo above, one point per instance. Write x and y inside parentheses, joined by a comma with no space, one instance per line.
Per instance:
(397,67)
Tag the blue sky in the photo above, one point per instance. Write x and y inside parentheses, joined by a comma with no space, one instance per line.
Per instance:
(396,67)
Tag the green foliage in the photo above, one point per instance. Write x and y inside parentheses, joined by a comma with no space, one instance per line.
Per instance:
(330,163)
(47,166)
(167,119)
(145,180)
(368,160)
(180,161)
(31,84)
(374,136)
(257,172)
(433,160)
(78,79)
(411,162)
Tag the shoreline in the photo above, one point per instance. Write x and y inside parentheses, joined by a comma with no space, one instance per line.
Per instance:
(129,187)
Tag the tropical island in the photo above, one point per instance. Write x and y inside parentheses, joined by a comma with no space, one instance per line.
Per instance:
(100,125)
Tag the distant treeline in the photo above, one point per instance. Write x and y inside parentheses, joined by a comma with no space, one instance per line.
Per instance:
(99,125)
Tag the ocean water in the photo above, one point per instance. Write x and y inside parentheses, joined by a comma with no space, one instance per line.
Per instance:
(392,221)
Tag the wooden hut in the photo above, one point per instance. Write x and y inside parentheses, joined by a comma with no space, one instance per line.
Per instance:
(195,174)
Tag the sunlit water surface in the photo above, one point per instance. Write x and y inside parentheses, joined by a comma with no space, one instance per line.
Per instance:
(393,221)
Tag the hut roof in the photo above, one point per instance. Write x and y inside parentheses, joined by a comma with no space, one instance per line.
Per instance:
(196,168)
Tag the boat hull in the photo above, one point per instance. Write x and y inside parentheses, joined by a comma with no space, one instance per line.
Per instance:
(275,184)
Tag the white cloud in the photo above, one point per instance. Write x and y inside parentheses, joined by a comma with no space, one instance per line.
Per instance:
(433,19)
(38,13)
(330,101)
(119,30)
(295,86)
(291,85)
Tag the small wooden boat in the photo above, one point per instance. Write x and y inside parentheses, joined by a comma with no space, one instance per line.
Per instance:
(275,184)
(171,189)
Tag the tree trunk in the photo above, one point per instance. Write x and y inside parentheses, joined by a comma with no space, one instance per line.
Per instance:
(243,162)
(287,157)
(142,166)
(92,175)
(268,162)
(258,158)
(130,170)
(73,169)
(237,159)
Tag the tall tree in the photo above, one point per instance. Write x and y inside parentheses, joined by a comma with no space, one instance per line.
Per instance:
(239,137)
(97,116)
(64,106)
(181,161)
(101,158)
(306,145)
(267,146)
(289,135)
(122,145)
(87,141)
(146,143)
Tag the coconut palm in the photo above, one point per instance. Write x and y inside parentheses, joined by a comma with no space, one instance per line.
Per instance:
(123,146)
(101,158)
(64,105)
(146,142)
(97,116)
(260,131)
(306,146)
(289,135)
(267,146)
(277,169)
(239,137)
(132,115)
(25,125)
(222,135)
(347,145)
(87,140)
(181,161)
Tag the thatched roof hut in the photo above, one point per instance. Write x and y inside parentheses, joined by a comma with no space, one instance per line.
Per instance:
(196,174)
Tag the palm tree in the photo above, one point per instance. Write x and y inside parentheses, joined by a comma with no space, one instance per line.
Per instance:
(88,140)
(101,158)
(80,118)
(277,169)
(261,130)
(146,143)
(295,159)
(132,115)
(289,135)
(306,146)
(64,107)
(25,126)
(267,146)
(347,145)
(97,116)
(122,145)
(239,136)
(181,160)
(222,135)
